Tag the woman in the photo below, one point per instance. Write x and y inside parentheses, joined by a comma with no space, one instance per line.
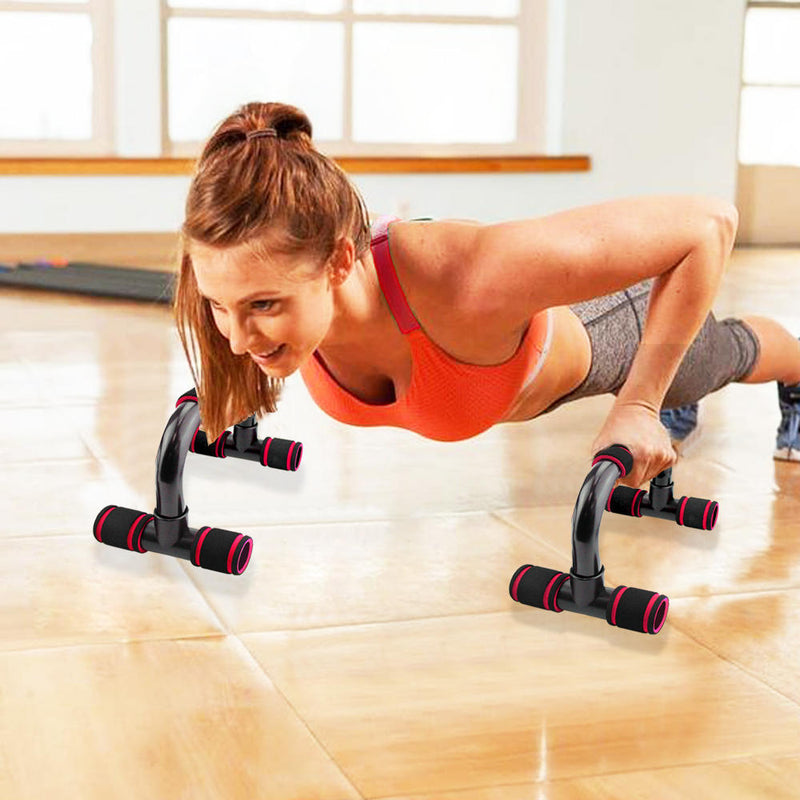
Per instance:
(449,327)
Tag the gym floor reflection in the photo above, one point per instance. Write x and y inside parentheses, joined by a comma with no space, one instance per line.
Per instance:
(371,649)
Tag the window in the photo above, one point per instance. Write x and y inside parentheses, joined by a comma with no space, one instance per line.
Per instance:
(55,93)
(376,77)
(769,130)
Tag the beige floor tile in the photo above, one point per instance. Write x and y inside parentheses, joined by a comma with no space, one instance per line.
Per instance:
(753,779)
(759,632)
(469,702)
(37,434)
(61,497)
(59,590)
(304,576)
(194,720)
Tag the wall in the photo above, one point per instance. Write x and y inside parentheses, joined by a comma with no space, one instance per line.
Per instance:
(650,90)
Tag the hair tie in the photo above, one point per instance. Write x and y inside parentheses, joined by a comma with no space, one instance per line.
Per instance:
(261,132)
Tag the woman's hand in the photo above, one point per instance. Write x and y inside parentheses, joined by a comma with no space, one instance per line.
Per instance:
(639,428)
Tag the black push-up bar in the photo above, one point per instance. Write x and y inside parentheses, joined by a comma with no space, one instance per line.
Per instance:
(583,590)
(167,530)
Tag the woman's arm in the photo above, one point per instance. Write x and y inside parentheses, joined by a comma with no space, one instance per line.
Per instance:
(682,242)
(518,268)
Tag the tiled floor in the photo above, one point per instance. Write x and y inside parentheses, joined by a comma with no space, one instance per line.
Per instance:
(371,649)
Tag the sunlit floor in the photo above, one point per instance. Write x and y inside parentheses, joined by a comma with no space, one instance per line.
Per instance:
(371,649)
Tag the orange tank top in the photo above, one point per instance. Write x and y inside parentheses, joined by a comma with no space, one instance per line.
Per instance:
(447,400)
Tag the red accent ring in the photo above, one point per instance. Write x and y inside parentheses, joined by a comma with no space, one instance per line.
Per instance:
(615,460)
(186,398)
(289,457)
(267,443)
(191,446)
(99,527)
(230,552)
(616,603)
(515,587)
(200,537)
(684,501)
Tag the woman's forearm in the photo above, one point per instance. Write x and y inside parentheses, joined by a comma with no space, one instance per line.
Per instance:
(679,304)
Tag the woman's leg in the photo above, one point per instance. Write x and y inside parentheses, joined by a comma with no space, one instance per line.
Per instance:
(779,359)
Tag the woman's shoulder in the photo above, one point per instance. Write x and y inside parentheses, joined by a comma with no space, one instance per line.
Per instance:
(433,254)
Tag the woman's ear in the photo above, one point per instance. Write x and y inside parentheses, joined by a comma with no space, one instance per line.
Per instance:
(342,261)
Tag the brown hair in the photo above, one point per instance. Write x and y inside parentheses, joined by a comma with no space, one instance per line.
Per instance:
(275,194)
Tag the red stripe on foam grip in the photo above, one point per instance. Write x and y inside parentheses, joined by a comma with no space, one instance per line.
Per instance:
(191,446)
(249,548)
(233,547)
(99,530)
(664,617)
(515,587)
(186,398)
(289,457)
(219,446)
(200,539)
(705,514)
(647,612)
(681,509)
(616,603)
(556,591)
(547,590)
(611,458)
(267,443)
(608,504)
(639,497)
(130,532)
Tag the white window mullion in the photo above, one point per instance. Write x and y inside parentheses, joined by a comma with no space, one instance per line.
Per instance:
(137,78)
(347,96)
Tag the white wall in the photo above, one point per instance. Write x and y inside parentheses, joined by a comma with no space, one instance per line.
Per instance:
(650,91)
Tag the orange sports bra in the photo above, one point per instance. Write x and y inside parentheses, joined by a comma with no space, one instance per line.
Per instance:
(447,400)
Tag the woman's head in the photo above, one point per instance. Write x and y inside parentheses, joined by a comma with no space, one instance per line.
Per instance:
(269,222)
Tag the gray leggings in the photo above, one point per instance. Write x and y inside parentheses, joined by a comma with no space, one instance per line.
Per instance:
(722,352)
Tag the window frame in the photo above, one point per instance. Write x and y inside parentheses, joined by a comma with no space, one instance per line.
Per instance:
(762,4)
(533,128)
(101,142)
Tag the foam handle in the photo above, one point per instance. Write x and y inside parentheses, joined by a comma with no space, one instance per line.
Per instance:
(626,500)
(617,454)
(221,550)
(201,445)
(121,527)
(695,512)
(281,453)
(537,586)
(637,609)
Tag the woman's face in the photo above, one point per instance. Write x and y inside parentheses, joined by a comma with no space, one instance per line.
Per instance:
(259,306)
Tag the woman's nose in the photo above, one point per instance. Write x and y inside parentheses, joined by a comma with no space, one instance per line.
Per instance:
(239,335)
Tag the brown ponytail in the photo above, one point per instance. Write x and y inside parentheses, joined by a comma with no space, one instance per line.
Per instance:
(277,194)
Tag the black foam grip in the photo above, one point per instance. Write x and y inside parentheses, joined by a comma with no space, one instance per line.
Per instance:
(121,527)
(201,445)
(537,586)
(189,396)
(637,609)
(281,453)
(617,454)
(221,550)
(626,500)
(695,512)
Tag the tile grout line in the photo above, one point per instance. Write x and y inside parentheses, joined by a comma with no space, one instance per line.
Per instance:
(300,718)
(587,776)
(739,667)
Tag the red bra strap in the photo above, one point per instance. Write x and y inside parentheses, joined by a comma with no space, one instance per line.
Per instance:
(387,276)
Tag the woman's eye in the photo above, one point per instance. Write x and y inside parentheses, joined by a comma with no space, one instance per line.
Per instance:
(263,305)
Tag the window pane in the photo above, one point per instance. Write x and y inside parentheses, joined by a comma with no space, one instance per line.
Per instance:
(460,85)
(308,6)
(771,45)
(469,8)
(47,91)
(216,65)
(769,131)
